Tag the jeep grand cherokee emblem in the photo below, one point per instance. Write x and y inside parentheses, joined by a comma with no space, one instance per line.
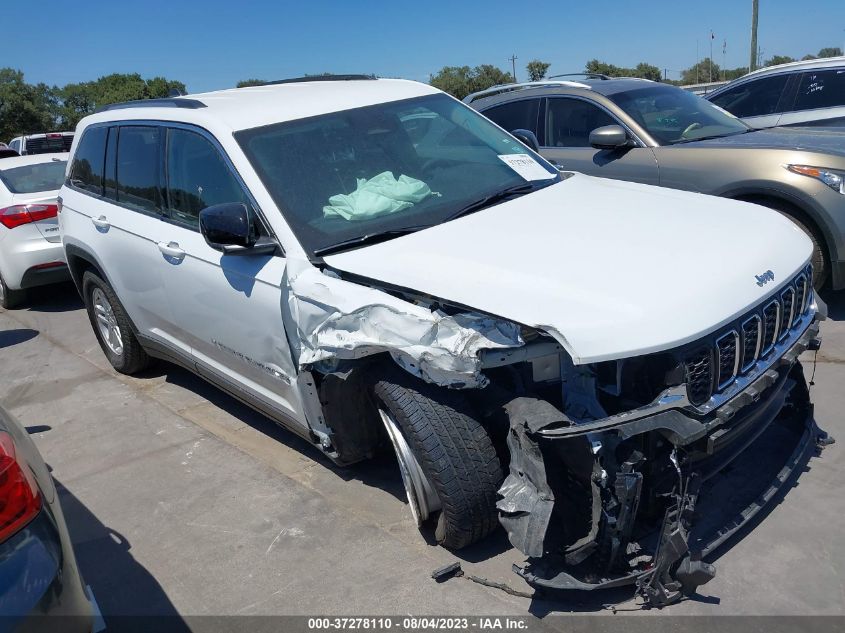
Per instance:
(765,278)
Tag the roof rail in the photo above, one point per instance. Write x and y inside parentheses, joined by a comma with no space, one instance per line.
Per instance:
(169,102)
(489,92)
(296,80)
(591,75)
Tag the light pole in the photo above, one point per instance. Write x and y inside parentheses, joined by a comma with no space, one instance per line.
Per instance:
(754,8)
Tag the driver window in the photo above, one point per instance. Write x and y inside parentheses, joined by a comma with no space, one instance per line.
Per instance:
(570,121)
(197,177)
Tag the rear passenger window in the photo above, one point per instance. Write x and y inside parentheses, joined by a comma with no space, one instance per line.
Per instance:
(753,98)
(86,172)
(197,177)
(821,89)
(517,115)
(138,167)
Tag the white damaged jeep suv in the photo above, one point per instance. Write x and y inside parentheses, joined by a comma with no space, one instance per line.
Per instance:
(371,263)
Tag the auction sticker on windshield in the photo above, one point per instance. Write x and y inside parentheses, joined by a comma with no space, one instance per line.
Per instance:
(526,166)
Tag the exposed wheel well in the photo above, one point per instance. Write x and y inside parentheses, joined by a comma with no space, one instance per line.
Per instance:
(78,262)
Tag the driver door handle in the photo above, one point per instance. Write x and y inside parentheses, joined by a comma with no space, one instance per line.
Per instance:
(101,223)
(172,250)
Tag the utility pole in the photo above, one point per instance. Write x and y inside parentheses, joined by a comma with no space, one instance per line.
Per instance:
(754,8)
(711,55)
(513,59)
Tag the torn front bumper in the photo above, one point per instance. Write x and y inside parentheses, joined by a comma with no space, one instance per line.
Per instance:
(643,502)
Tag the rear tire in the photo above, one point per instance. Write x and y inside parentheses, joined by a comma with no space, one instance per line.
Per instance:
(453,451)
(10,298)
(112,327)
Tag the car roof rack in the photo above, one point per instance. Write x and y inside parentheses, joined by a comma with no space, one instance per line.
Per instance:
(588,75)
(307,78)
(501,88)
(190,104)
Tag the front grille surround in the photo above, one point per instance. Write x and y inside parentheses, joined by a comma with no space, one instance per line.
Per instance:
(739,349)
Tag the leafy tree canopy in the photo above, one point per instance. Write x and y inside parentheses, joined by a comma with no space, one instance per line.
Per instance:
(830,52)
(245,83)
(537,70)
(459,81)
(776,60)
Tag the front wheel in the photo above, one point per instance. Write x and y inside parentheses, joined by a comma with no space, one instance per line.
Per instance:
(447,460)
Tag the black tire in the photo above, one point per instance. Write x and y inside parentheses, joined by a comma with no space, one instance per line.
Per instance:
(10,298)
(454,451)
(819,259)
(133,358)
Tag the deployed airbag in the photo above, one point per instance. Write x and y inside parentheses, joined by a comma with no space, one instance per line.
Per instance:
(380,195)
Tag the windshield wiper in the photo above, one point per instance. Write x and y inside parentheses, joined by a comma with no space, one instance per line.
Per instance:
(712,136)
(369,238)
(499,196)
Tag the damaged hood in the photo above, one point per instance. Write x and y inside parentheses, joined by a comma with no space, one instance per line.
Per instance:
(610,269)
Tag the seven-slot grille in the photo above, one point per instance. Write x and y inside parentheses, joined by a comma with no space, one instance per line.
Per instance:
(713,366)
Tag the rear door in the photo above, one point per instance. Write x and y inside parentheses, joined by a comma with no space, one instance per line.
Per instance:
(226,308)
(566,143)
(820,99)
(112,207)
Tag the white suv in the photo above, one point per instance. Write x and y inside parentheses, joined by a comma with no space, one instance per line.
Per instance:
(371,262)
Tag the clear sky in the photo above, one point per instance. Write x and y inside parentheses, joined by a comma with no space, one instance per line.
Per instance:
(211,44)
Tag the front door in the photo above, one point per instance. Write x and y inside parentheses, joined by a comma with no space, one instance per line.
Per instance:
(569,122)
(227,308)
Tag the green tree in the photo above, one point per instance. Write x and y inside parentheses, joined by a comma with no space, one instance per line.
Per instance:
(246,83)
(776,60)
(81,99)
(734,73)
(24,108)
(646,71)
(830,52)
(642,70)
(537,70)
(459,81)
(700,72)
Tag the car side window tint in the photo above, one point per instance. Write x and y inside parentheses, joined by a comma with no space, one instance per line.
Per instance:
(86,172)
(821,89)
(753,98)
(570,121)
(516,115)
(15,145)
(197,177)
(138,167)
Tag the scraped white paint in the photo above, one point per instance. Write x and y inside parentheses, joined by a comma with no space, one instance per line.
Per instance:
(337,319)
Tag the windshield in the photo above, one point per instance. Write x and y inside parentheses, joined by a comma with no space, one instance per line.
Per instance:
(34,178)
(671,115)
(387,168)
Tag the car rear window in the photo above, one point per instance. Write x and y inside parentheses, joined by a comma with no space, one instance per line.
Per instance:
(32,178)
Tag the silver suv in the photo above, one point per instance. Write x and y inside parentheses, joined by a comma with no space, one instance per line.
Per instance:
(642,131)
(810,92)
(371,263)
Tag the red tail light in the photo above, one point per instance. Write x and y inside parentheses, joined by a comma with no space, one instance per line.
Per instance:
(19,214)
(20,500)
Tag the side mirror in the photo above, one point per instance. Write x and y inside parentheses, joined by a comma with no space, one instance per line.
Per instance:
(609,137)
(225,227)
(527,138)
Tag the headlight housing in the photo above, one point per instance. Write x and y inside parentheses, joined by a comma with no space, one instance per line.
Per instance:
(831,177)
